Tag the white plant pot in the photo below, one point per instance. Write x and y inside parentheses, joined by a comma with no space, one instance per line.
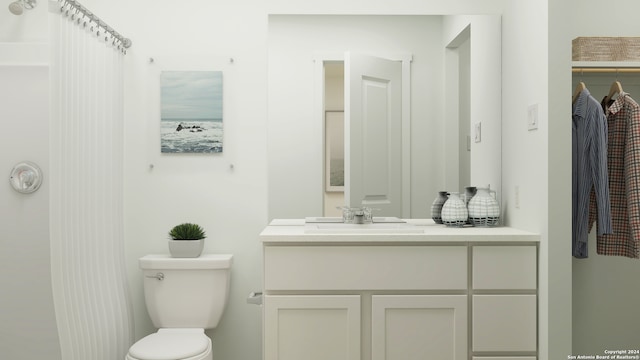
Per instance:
(186,248)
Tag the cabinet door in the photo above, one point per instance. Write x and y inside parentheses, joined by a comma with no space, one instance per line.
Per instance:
(311,327)
(504,323)
(408,327)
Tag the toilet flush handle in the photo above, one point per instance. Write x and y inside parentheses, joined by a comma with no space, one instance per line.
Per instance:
(159,276)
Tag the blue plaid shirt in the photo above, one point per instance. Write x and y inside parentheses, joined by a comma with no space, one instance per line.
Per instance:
(589,170)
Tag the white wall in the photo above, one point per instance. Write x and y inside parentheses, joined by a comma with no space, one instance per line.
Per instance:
(536,164)
(483,105)
(464,98)
(30,27)
(27,314)
(555,264)
(27,319)
(606,290)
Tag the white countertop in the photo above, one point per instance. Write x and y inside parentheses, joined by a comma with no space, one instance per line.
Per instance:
(422,231)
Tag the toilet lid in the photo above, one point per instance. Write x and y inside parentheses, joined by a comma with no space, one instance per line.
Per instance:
(171,344)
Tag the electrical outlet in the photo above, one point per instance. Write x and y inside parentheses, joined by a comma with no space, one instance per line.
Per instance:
(532,117)
(478,132)
(517,197)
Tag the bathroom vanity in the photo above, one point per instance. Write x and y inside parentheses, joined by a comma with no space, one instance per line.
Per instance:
(398,292)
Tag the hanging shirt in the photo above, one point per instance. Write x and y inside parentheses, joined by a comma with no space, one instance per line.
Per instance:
(589,170)
(623,122)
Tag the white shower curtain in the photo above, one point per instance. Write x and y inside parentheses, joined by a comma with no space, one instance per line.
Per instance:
(90,292)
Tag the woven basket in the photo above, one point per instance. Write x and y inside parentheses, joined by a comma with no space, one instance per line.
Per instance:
(606,49)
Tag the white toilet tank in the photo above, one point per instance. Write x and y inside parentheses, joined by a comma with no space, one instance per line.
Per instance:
(186,292)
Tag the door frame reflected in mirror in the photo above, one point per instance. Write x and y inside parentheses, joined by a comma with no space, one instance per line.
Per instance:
(333,65)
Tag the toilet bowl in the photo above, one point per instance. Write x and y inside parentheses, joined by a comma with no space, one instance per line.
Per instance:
(184,296)
(172,344)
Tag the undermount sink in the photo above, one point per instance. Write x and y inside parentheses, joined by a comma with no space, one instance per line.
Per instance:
(374,228)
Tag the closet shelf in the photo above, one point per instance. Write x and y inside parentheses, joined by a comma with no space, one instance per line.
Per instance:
(605,66)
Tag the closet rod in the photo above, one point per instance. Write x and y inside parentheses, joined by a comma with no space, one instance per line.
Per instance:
(626,70)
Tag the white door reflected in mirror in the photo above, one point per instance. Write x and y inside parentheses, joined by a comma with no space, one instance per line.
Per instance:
(368,152)
(373,133)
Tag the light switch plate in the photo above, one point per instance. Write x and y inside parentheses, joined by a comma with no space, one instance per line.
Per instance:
(478,132)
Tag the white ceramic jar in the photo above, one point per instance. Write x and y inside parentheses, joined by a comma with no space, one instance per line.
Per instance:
(436,206)
(484,209)
(454,211)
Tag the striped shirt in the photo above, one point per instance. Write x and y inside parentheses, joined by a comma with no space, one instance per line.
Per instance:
(589,170)
(623,124)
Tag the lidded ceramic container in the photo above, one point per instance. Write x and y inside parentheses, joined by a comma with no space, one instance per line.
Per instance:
(469,192)
(454,211)
(484,209)
(436,206)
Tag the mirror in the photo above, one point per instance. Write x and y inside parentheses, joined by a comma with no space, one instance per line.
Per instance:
(441,48)
(333,193)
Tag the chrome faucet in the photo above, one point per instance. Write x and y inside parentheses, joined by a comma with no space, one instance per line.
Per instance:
(358,216)
(361,215)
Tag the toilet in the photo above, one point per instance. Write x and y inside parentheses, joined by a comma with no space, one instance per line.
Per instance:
(184,296)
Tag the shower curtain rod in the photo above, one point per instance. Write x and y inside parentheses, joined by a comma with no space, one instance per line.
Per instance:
(73,5)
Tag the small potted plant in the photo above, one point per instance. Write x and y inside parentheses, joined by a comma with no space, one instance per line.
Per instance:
(186,240)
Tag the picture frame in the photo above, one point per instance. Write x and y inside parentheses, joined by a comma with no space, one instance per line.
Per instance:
(334,151)
(191,115)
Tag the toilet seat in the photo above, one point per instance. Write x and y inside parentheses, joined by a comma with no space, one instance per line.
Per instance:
(172,344)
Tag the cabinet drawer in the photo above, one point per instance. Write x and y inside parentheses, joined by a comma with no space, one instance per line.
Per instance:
(504,322)
(504,267)
(365,267)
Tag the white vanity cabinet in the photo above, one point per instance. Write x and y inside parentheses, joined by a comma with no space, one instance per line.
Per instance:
(441,294)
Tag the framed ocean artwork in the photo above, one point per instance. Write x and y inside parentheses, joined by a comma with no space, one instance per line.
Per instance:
(191,114)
